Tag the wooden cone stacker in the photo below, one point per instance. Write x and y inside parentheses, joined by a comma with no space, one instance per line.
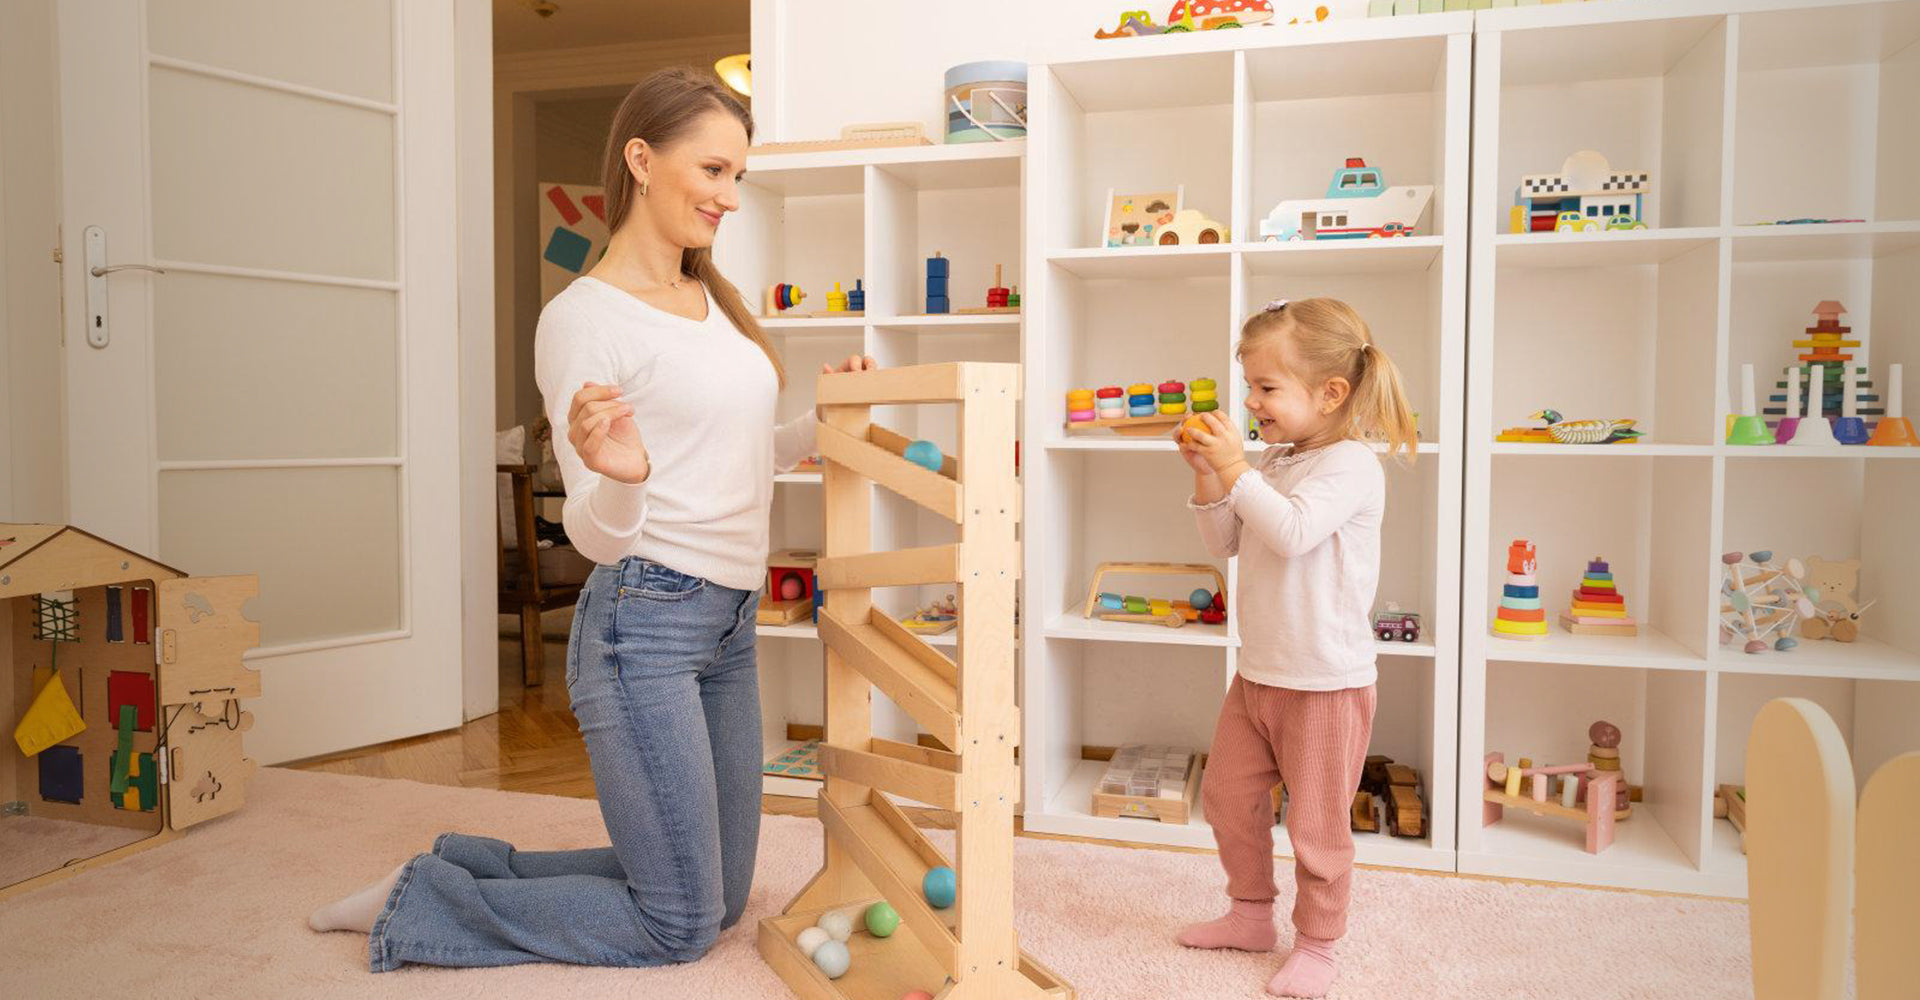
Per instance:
(873,851)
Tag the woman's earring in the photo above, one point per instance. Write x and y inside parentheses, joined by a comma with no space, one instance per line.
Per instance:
(643,187)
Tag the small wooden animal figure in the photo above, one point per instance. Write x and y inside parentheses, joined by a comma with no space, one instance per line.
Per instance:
(1829,584)
(1585,431)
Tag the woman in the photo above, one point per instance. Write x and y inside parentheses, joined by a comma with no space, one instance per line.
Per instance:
(665,386)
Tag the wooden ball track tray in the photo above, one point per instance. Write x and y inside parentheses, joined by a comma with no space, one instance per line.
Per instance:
(873,851)
(1177,617)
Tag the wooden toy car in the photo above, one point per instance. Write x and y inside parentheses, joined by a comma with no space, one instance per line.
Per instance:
(1625,222)
(1574,222)
(1395,625)
(1189,226)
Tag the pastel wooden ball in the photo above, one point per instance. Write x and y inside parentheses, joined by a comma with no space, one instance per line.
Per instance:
(833,959)
(941,886)
(811,939)
(837,923)
(918,995)
(790,588)
(882,919)
(1604,734)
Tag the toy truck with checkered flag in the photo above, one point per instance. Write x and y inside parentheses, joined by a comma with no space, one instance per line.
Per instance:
(1358,205)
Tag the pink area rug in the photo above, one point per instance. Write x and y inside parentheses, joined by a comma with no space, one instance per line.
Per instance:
(221,913)
(35,845)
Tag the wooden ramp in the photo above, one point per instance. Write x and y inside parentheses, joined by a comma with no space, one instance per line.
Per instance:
(967,951)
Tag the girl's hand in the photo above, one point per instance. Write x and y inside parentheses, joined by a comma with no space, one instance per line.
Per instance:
(854,363)
(1218,446)
(1189,453)
(600,426)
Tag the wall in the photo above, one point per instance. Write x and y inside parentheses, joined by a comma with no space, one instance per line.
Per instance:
(32,407)
(571,81)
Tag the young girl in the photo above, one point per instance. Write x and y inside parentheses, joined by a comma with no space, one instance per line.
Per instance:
(1306,525)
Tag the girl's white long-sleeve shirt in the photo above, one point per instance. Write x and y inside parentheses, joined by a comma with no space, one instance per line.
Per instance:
(1307,530)
(703,398)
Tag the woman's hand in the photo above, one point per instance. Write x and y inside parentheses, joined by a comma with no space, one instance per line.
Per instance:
(600,426)
(854,363)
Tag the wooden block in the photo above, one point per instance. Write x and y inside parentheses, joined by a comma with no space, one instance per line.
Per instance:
(1401,774)
(1405,813)
(1364,820)
(782,612)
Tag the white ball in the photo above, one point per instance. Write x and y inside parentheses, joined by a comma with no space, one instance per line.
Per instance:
(811,939)
(837,923)
(833,959)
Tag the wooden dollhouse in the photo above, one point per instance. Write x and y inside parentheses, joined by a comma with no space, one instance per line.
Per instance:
(124,681)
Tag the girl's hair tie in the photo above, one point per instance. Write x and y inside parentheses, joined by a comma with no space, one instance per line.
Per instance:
(1275,306)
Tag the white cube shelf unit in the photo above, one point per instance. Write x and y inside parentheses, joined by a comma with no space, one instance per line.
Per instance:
(1746,111)
(873,214)
(1240,120)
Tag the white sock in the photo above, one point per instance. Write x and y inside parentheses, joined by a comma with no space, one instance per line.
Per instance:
(358,911)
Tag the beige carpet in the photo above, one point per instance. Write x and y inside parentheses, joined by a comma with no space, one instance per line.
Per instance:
(35,845)
(221,913)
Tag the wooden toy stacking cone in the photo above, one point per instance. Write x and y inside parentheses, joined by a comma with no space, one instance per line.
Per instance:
(1895,429)
(873,852)
(1831,382)
(1747,427)
(1598,607)
(1521,615)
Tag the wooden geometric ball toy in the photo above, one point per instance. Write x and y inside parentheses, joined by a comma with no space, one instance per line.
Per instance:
(123,681)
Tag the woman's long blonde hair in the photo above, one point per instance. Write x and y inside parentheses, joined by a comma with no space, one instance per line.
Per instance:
(660,109)
(1331,340)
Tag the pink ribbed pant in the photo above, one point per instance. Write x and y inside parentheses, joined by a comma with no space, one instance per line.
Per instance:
(1318,741)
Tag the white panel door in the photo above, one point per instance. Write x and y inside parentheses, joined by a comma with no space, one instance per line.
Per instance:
(282,400)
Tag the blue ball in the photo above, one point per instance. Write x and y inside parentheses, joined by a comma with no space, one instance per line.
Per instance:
(924,453)
(833,959)
(1200,599)
(941,886)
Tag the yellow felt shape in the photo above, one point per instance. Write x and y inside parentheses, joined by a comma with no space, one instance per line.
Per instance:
(50,719)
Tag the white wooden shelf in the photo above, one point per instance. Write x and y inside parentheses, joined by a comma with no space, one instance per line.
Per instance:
(1654,324)
(1205,261)
(806,630)
(1070,812)
(1862,659)
(1072,624)
(1307,257)
(846,326)
(1652,649)
(812,478)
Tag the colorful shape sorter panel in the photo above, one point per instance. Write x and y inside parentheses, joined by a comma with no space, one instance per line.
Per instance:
(62,777)
(127,687)
(802,761)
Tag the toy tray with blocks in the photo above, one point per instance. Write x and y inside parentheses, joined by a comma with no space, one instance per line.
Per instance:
(802,761)
(1149,781)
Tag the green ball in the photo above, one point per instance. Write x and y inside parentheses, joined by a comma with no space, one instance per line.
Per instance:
(882,919)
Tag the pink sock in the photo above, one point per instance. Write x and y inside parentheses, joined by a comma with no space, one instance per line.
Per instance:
(1248,926)
(1308,970)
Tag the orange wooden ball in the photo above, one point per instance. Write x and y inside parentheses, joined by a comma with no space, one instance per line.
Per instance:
(1193,423)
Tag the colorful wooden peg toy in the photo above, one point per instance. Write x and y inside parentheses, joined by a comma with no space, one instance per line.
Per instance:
(1140,409)
(782,297)
(1203,606)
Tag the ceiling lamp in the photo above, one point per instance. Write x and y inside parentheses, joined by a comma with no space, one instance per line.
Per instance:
(737,72)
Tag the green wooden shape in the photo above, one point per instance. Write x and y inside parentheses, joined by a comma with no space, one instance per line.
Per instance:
(124,755)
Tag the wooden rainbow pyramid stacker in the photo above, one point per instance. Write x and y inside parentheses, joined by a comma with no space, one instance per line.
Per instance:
(968,949)
(1598,607)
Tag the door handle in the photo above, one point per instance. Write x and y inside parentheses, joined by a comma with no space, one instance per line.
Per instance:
(95,238)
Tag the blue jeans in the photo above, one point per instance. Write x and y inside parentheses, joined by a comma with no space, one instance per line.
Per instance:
(661,671)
